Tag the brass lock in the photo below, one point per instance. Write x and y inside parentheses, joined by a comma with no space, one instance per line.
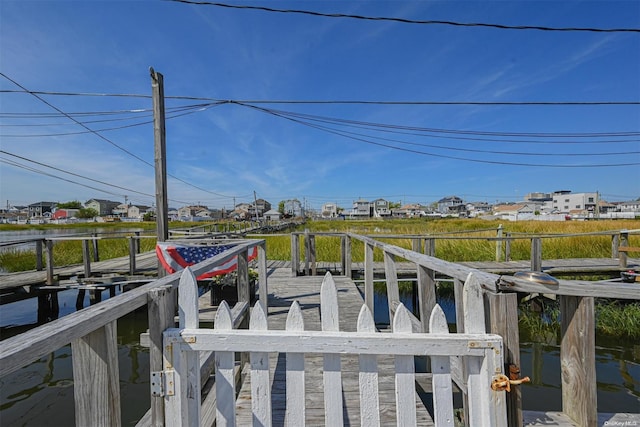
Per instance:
(503,383)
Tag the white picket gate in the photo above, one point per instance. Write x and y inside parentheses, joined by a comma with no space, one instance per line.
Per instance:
(479,353)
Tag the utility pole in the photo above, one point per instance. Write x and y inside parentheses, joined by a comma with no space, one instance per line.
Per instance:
(160,149)
(255,204)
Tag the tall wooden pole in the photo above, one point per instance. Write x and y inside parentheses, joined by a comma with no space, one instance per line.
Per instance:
(160,148)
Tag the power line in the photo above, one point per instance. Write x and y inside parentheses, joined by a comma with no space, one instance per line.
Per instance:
(343,101)
(413,21)
(504,163)
(100,130)
(105,138)
(383,127)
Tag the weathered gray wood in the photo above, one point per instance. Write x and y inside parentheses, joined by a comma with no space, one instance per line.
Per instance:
(622,256)
(96,385)
(430,247)
(263,288)
(507,248)
(86,258)
(161,309)
(426,282)
(615,242)
(295,254)
(132,255)
(536,254)
(347,270)
(577,360)
(49,254)
(243,277)
(503,314)
(499,243)
(160,157)
(39,261)
(416,244)
(96,247)
(368,277)
(391,277)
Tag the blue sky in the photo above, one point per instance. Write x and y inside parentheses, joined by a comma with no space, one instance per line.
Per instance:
(221,153)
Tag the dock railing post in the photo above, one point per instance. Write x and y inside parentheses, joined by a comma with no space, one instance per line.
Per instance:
(161,307)
(499,244)
(615,244)
(132,255)
(391,278)
(430,246)
(536,254)
(86,258)
(307,249)
(347,256)
(578,359)
(624,241)
(503,320)
(368,277)
(39,262)
(96,383)
(48,244)
(295,254)
(507,248)
(263,290)
(426,283)
(96,253)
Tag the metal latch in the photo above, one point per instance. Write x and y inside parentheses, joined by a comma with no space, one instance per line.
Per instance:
(503,383)
(162,383)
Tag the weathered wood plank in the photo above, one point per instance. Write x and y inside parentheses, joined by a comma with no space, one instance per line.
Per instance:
(96,385)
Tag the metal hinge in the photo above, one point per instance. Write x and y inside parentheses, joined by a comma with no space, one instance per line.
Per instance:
(162,383)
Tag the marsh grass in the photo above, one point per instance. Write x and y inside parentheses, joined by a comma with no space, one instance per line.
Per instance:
(69,252)
(613,319)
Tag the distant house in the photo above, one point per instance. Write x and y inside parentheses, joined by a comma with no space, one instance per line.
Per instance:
(381,208)
(515,212)
(103,207)
(361,209)
(329,210)
(41,209)
(64,213)
(189,213)
(451,205)
(272,215)
(137,211)
(293,208)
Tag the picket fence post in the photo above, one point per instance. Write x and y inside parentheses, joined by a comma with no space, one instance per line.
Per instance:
(260,384)
(332,375)
(295,411)
(368,375)
(441,374)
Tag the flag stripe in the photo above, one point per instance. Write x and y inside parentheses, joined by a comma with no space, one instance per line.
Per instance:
(174,257)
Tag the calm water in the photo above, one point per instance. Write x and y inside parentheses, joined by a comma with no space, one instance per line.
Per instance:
(42,393)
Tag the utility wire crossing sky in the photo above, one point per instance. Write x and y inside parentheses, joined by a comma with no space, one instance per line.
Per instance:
(320,101)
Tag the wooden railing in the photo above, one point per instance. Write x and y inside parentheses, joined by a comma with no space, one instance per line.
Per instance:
(576,311)
(44,250)
(92,334)
(480,355)
(426,244)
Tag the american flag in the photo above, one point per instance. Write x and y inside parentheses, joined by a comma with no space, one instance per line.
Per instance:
(174,257)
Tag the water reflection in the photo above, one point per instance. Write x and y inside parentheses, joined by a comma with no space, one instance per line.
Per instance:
(42,392)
